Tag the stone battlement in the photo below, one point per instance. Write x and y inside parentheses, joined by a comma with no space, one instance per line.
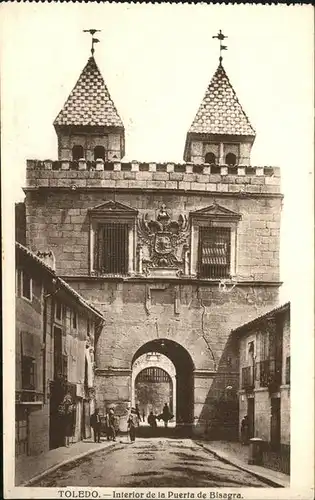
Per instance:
(140,175)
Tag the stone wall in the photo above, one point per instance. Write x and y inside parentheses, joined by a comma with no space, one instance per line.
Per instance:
(202,325)
(59,221)
(161,176)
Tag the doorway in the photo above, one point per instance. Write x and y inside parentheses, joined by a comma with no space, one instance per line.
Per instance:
(181,391)
(275,423)
(251,417)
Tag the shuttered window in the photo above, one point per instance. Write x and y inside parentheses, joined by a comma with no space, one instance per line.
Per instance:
(111,248)
(214,252)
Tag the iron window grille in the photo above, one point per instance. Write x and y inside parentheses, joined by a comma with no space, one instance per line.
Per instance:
(270,373)
(111,248)
(215,252)
(153,375)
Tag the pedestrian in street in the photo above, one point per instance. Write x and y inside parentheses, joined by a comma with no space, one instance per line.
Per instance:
(66,411)
(96,425)
(143,415)
(152,421)
(138,412)
(111,420)
(107,426)
(244,430)
(166,415)
(133,423)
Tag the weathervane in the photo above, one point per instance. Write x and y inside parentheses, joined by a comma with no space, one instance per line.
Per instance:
(94,40)
(221,37)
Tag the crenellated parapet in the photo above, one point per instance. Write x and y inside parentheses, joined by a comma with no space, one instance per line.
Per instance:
(145,175)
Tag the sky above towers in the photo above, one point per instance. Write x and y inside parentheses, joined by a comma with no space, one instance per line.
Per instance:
(157,61)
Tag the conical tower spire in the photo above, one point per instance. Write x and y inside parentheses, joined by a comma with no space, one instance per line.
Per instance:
(220,120)
(90,110)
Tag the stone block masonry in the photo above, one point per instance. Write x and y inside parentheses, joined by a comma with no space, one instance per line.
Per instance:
(144,176)
(60,221)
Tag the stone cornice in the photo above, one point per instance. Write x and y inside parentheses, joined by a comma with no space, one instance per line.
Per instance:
(112,372)
(183,280)
(171,190)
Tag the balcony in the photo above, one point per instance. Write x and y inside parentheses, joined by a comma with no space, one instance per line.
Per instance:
(29,397)
(248,378)
(270,374)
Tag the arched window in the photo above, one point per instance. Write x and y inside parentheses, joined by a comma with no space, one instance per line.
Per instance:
(99,152)
(231,159)
(210,158)
(77,152)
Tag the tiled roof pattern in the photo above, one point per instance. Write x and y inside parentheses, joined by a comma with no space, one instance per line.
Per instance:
(220,111)
(89,103)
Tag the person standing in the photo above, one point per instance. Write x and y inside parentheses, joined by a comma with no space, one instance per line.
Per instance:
(111,419)
(166,414)
(244,430)
(152,421)
(66,410)
(133,423)
(143,415)
(96,425)
(138,412)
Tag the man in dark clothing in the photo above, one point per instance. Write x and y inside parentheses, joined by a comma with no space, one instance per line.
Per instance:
(166,415)
(96,425)
(138,412)
(244,430)
(152,421)
(111,418)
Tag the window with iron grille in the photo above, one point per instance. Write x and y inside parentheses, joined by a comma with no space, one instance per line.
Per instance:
(153,375)
(214,252)
(111,248)
(28,373)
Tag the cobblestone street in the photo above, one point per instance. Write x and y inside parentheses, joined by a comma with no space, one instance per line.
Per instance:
(156,462)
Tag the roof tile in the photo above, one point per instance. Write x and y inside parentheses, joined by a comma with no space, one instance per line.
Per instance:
(220,112)
(89,103)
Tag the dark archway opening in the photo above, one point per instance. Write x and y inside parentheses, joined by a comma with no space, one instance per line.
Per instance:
(210,158)
(184,366)
(99,153)
(153,388)
(77,152)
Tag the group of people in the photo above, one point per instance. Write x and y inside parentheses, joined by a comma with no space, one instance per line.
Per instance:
(96,425)
(133,422)
(166,416)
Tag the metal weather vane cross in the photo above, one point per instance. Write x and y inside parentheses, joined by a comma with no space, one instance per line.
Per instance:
(221,37)
(94,40)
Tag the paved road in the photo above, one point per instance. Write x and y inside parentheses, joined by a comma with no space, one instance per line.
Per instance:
(157,462)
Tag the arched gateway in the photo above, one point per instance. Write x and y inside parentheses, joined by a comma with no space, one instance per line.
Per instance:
(178,386)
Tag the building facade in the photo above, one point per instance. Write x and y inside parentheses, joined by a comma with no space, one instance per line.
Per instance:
(55,331)
(174,255)
(264,392)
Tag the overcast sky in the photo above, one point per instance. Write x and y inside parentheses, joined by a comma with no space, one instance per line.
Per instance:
(157,61)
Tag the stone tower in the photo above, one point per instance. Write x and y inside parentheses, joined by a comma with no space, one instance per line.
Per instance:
(174,255)
(88,126)
(221,132)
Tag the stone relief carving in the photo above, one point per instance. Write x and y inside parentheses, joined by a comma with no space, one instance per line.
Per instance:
(162,242)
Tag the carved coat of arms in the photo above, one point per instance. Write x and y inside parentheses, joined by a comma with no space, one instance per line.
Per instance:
(163,239)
